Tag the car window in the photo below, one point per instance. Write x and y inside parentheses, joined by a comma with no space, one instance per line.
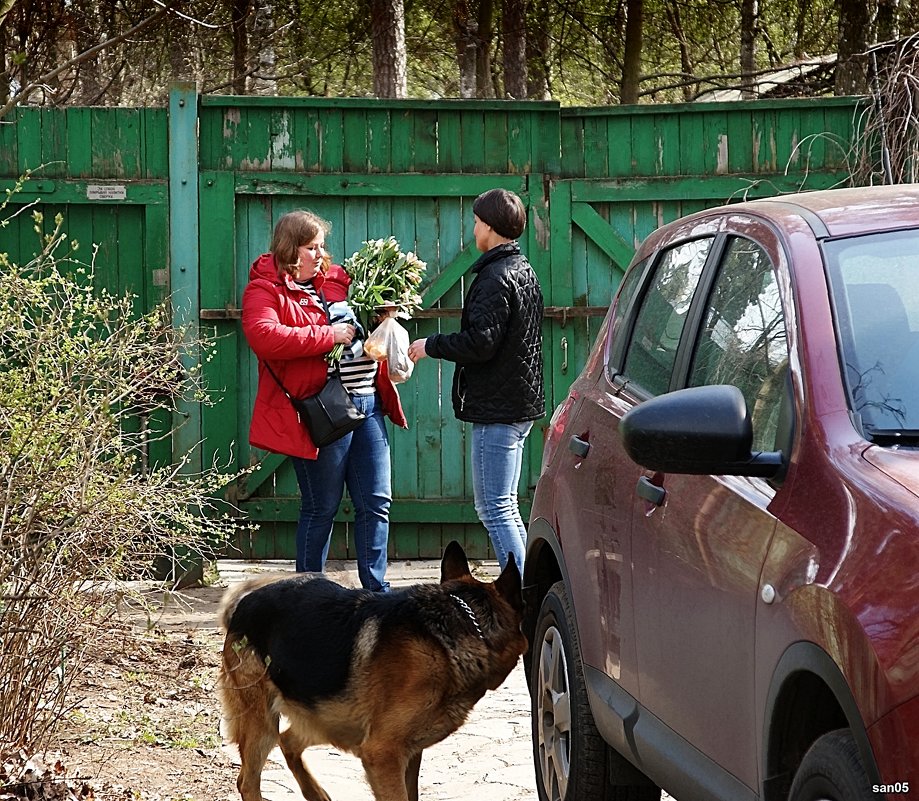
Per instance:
(743,340)
(876,298)
(659,324)
(630,283)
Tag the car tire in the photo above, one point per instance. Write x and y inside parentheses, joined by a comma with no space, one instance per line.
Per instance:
(832,771)
(569,754)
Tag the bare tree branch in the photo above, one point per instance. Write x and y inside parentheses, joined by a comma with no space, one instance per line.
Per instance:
(723,80)
(203,24)
(24,93)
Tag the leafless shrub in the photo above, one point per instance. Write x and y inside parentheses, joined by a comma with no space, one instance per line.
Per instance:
(86,381)
(887,147)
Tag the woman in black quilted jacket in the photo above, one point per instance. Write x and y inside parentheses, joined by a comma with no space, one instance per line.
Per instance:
(497,382)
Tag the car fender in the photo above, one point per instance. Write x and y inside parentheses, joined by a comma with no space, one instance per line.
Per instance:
(785,740)
(544,564)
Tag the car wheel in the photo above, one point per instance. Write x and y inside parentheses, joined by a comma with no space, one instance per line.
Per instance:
(569,753)
(832,771)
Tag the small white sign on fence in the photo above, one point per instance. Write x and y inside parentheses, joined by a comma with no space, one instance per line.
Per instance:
(106,192)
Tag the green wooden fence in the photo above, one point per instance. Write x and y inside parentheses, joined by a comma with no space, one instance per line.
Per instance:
(595,181)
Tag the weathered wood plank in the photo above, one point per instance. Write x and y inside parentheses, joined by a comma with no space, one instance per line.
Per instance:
(424,140)
(282,140)
(331,142)
(379,140)
(356,184)
(155,143)
(53,142)
(599,231)
(496,144)
(78,192)
(714,188)
(28,145)
(403,510)
(9,144)
(449,141)
(473,134)
(355,157)
(572,146)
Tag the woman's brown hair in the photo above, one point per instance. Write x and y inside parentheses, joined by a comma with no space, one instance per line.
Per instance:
(294,229)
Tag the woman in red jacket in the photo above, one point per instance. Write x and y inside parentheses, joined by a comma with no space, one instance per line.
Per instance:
(287,327)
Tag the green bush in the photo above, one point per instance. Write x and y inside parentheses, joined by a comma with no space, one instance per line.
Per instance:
(85,384)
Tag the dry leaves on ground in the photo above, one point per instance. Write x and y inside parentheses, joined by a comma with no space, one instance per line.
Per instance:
(145,721)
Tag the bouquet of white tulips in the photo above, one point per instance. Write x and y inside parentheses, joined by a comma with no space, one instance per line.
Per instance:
(384,282)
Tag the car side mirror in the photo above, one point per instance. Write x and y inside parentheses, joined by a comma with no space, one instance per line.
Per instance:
(697,431)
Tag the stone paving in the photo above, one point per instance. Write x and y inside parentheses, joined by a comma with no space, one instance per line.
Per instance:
(488,759)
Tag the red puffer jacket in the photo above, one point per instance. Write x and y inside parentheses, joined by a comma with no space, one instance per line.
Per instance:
(286,327)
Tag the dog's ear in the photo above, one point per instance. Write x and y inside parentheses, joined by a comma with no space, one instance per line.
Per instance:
(509,584)
(454,565)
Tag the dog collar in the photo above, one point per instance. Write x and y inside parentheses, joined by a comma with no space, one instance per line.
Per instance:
(468,610)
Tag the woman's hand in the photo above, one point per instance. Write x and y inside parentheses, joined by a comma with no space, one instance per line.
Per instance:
(342,333)
(416,350)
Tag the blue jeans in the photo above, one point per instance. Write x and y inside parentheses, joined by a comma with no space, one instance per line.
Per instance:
(359,460)
(497,459)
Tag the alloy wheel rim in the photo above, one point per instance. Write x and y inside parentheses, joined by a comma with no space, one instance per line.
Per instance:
(554,716)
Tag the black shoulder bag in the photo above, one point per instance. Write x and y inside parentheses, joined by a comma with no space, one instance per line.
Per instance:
(330,413)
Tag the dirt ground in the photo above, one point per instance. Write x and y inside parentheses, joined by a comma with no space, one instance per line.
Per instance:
(145,722)
(145,725)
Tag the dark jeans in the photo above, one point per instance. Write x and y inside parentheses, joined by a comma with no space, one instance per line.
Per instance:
(359,460)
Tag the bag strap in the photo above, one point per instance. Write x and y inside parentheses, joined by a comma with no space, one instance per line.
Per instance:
(274,375)
(328,314)
(325,305)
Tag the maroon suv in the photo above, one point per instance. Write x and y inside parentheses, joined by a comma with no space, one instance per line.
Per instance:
(723,558)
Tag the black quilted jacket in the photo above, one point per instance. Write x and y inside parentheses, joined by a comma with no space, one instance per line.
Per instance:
(498,349)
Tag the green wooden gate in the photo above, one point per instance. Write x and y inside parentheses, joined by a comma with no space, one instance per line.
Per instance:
(595,182)
(409,169)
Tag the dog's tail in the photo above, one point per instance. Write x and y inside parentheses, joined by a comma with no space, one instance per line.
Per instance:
(246,695)
(235,593)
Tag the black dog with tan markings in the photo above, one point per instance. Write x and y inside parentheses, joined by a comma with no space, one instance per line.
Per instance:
(381,675)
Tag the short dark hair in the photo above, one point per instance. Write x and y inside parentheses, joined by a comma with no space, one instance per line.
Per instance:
(503,211)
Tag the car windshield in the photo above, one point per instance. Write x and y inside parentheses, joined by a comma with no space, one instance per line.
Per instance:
(875,283)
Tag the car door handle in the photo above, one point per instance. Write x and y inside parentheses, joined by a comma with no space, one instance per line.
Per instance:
(650,492)
(579,447)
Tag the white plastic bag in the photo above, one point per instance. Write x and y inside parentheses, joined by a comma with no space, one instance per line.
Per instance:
(389,341)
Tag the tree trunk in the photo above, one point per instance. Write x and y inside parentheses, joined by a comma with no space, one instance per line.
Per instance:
(686,64)
(801,16)
(239,13)
(91,29)
(387,28)
(854,20)
(513,21)
(486,14)
(888,20)
(466,31)
(538,50)
(748,11)
(177,53)
(631,59)
(262,80)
